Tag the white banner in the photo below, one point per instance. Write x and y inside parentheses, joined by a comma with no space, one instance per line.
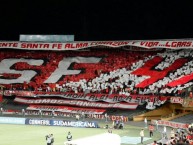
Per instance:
(173,44)
(110,98)
(178,100)
(77,103)
(171,124)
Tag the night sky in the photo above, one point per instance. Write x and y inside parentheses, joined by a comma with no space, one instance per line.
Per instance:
(98,20)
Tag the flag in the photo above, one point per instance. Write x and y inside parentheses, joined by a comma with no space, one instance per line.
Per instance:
(150,105)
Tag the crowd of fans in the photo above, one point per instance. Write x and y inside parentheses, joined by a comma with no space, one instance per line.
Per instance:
(113,74)
(176,137)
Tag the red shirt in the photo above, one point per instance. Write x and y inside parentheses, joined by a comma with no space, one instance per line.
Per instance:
(151,128)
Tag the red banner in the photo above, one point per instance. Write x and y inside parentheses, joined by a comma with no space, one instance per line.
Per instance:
(172,44)
(66,109)
(19,93)
(76,103)
(1,98)
(119,118)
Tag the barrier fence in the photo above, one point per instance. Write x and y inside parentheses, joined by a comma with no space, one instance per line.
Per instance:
(63,114)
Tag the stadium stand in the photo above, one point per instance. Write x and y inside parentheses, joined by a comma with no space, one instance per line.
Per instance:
(140,79)
(111,75)
(187,119)
(117,72)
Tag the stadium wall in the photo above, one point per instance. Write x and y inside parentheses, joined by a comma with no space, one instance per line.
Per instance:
(167,112)
(155,114)
(48,122)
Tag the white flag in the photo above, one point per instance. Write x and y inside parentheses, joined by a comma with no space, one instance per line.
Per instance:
(150,105)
